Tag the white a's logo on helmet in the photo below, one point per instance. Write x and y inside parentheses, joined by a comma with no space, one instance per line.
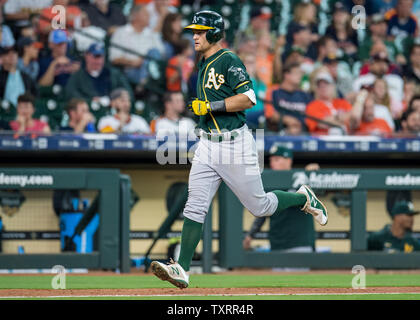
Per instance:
(194,19)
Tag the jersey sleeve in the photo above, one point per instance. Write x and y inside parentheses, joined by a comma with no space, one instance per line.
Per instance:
(237,77)
(416,244)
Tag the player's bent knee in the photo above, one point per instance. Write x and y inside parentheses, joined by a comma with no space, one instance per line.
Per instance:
(195,213)
(197,217)
(260,213)
(262,209)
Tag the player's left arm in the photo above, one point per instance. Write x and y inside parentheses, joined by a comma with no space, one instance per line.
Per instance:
(239,102)
(239,81)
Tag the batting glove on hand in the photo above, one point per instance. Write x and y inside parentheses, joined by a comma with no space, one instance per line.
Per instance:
(199,107)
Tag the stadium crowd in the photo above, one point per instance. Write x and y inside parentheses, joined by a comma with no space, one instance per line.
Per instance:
(321,67)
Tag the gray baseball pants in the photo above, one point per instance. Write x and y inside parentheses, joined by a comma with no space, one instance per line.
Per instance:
(236,163)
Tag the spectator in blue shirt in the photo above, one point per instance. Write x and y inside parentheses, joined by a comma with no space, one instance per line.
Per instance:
(7,39)
(28,52)
(288,99)
(381,6)
(13,83)
(57,67)
(401,22)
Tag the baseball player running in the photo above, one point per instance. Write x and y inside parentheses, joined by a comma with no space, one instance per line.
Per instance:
(226,150)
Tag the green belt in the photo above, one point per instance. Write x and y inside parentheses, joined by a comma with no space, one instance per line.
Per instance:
(219,137)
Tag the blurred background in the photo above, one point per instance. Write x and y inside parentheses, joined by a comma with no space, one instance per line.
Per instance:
(91,83)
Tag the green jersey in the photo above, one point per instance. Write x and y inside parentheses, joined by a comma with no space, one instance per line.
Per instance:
(221,76)
(291,228)
(384,240)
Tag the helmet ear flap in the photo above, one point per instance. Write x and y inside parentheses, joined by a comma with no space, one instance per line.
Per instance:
(214,35)
(210,36)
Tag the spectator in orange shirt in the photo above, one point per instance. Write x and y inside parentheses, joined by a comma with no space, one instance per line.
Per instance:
(180,67)
(327,107)
(264,58)
(369,124)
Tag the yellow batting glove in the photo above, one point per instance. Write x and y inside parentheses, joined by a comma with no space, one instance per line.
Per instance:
(199,107)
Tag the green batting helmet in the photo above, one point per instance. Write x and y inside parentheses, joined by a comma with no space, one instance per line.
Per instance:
(210,21)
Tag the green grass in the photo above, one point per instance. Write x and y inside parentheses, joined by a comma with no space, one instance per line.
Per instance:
(212,281)
(222,281)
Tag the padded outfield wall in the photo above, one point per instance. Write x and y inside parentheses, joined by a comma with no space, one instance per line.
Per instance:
(136,157)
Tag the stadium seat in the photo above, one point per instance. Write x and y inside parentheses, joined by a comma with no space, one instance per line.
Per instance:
(50,92)
(49,110)
(7,110)
(99,109)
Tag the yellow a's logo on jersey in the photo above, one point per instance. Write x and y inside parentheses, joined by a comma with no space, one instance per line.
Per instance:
(214,79)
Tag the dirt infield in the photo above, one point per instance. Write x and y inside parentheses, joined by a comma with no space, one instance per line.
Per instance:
(200,292)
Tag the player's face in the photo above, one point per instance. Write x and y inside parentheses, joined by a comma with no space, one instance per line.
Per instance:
(200,41)
(406,221)
(280,163)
